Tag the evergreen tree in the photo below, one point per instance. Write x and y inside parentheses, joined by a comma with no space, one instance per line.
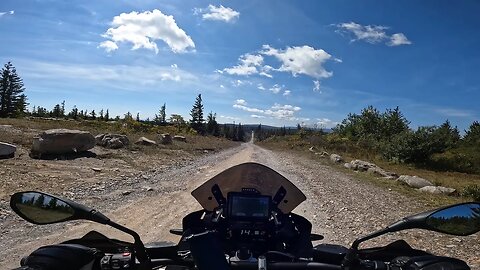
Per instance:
(163,115)
(93,115)
(472,135)
(62,112)
(197,120)
(101,115)
(12,100)
(138,117)
(107,116)
(212,125)
(74,113)
(57,111)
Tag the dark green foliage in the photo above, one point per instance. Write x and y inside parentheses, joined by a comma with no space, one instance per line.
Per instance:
(472,135)
(212,126)
(197,121)
(472,191)
(13,102)
(388,134)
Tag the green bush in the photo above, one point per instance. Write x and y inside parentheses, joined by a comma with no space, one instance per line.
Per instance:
(472,191)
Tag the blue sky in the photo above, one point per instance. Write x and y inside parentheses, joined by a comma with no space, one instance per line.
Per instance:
(269,62)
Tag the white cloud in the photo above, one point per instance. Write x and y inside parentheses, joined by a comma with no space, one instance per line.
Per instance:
(229,117)
(452,112)
(275,88)
(11,12)
(257,116)
(248,65)
(174,66)
(369,33)
(372,34)
(277,111)
(108,45)
(240,102)
(126,76)
(316,86)
(238,83)
(300,60)
(287,92)
(326,123)
(222,86)
(398,39)
(219,13)
(260,86)
(143,29)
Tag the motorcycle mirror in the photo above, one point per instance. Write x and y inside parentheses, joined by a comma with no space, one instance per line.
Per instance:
(459,219)
(42,208)
(462,219)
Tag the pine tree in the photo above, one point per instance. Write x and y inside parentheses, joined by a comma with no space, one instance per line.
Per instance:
(12,100)
(212,125)
(138,117)
(163,115)
(93,115)
(101,115)
(197,120)
(107,116)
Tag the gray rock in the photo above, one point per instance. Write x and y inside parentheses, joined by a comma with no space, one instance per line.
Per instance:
(336,158)
(322,154)
(179,138)
(414,181)
(62,141)
(360,165)
(438,190)
(347,165)
(165,138)
(7,150)
(145,141)
(312,149)
(113,141)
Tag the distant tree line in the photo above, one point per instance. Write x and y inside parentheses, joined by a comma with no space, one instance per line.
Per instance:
(13,103)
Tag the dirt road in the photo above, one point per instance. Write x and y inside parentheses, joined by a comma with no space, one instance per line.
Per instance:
(340,207)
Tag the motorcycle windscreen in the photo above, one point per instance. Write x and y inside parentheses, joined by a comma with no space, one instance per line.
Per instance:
(250,175)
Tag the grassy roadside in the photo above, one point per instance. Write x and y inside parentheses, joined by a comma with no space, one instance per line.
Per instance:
(448,179)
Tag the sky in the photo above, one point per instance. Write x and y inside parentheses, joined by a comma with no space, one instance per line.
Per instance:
(269,62)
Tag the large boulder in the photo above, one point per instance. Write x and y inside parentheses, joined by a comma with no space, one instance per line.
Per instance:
(7,150)
(336,158)
(179,138)
(414,181)
(360,165)
(113,141)
(62,141)
(165,138)
(437,190)
(145,141)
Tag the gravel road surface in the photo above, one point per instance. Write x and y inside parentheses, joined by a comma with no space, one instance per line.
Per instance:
(340,207)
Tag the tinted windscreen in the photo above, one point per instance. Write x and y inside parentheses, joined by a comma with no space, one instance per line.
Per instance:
(250,176)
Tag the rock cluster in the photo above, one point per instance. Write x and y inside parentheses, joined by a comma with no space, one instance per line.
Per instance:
(419,183)
(113,141)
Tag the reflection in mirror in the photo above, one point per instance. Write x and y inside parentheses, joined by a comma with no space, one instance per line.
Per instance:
(461,219)
(41,208)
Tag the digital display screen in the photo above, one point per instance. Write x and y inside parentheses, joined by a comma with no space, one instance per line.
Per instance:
(245,207)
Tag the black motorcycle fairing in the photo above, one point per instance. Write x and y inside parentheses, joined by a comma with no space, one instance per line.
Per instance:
(399,248)
(431,262)
(94,239)
(63,256)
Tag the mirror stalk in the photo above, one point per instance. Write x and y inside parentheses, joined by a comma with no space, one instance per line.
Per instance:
(138,244)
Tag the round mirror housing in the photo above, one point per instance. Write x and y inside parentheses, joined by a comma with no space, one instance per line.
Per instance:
(41,208)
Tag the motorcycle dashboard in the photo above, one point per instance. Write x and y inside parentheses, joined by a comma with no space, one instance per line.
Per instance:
(252,207)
